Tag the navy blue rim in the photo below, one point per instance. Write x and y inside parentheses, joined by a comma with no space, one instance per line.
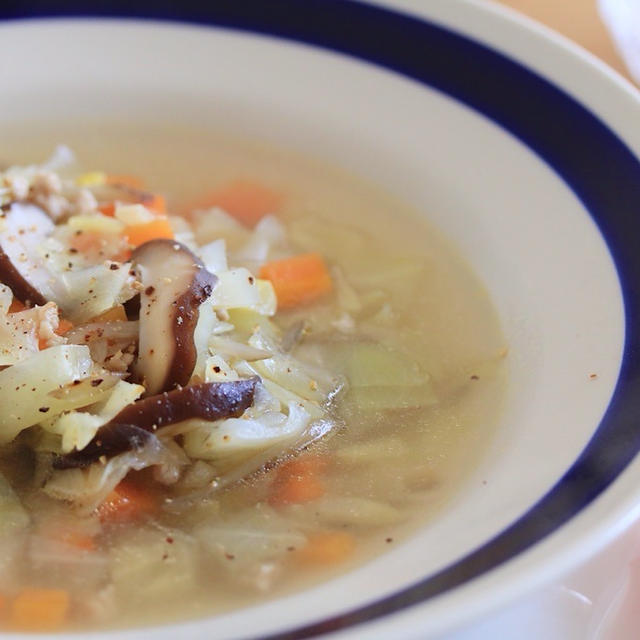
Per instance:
(602,172)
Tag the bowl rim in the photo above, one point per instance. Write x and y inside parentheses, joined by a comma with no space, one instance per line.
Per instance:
(593,146)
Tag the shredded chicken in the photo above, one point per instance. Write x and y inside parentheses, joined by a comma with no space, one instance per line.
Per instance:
(47,322)
(120,360)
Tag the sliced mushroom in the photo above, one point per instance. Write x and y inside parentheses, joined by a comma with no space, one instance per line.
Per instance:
(175,284)
(129,428)
(22,268)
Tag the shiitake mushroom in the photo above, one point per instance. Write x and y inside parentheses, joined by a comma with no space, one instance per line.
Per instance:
(174,284)
(132,426)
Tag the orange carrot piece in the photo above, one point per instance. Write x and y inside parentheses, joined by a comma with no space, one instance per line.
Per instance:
(126,502)
(115,314)
(327,547)
(305,464)
(16,306)
(298,280)
(246,200)
(39,609)
(298,481)
(125,180)
(107,209)
(137,234)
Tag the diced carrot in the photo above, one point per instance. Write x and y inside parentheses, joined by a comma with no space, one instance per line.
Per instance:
(16,306)
(298,280)
(137,234)
(107,208)
(246,200)
(127,502)
(305,464)
(39,609)
(115,314)
(125,180)
(327,547)
(298,481)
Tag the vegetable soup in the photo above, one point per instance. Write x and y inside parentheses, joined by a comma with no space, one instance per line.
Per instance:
(218,358)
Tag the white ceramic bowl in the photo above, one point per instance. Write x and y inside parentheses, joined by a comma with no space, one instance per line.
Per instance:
(521,148)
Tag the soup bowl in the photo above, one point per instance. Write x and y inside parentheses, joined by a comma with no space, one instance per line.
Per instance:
(521,149)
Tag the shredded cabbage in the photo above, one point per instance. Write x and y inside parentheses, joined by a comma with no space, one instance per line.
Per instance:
(91,291)
(244,435)
(238,289)
(214,256)
(77,428)
(87,488)
(25,387)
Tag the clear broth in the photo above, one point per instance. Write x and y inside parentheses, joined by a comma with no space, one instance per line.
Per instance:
(411,460)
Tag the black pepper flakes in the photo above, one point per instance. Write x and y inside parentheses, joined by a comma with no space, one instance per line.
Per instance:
(149,290)
(97,382)
(43,409)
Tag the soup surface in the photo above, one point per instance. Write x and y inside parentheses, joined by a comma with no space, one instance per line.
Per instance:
(371,358)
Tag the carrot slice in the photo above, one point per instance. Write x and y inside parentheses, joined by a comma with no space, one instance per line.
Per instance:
(137,234)
(107,208)
(298,481)
(40,609)
(327,547)
(298,280)
(126,502)
(246,200)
